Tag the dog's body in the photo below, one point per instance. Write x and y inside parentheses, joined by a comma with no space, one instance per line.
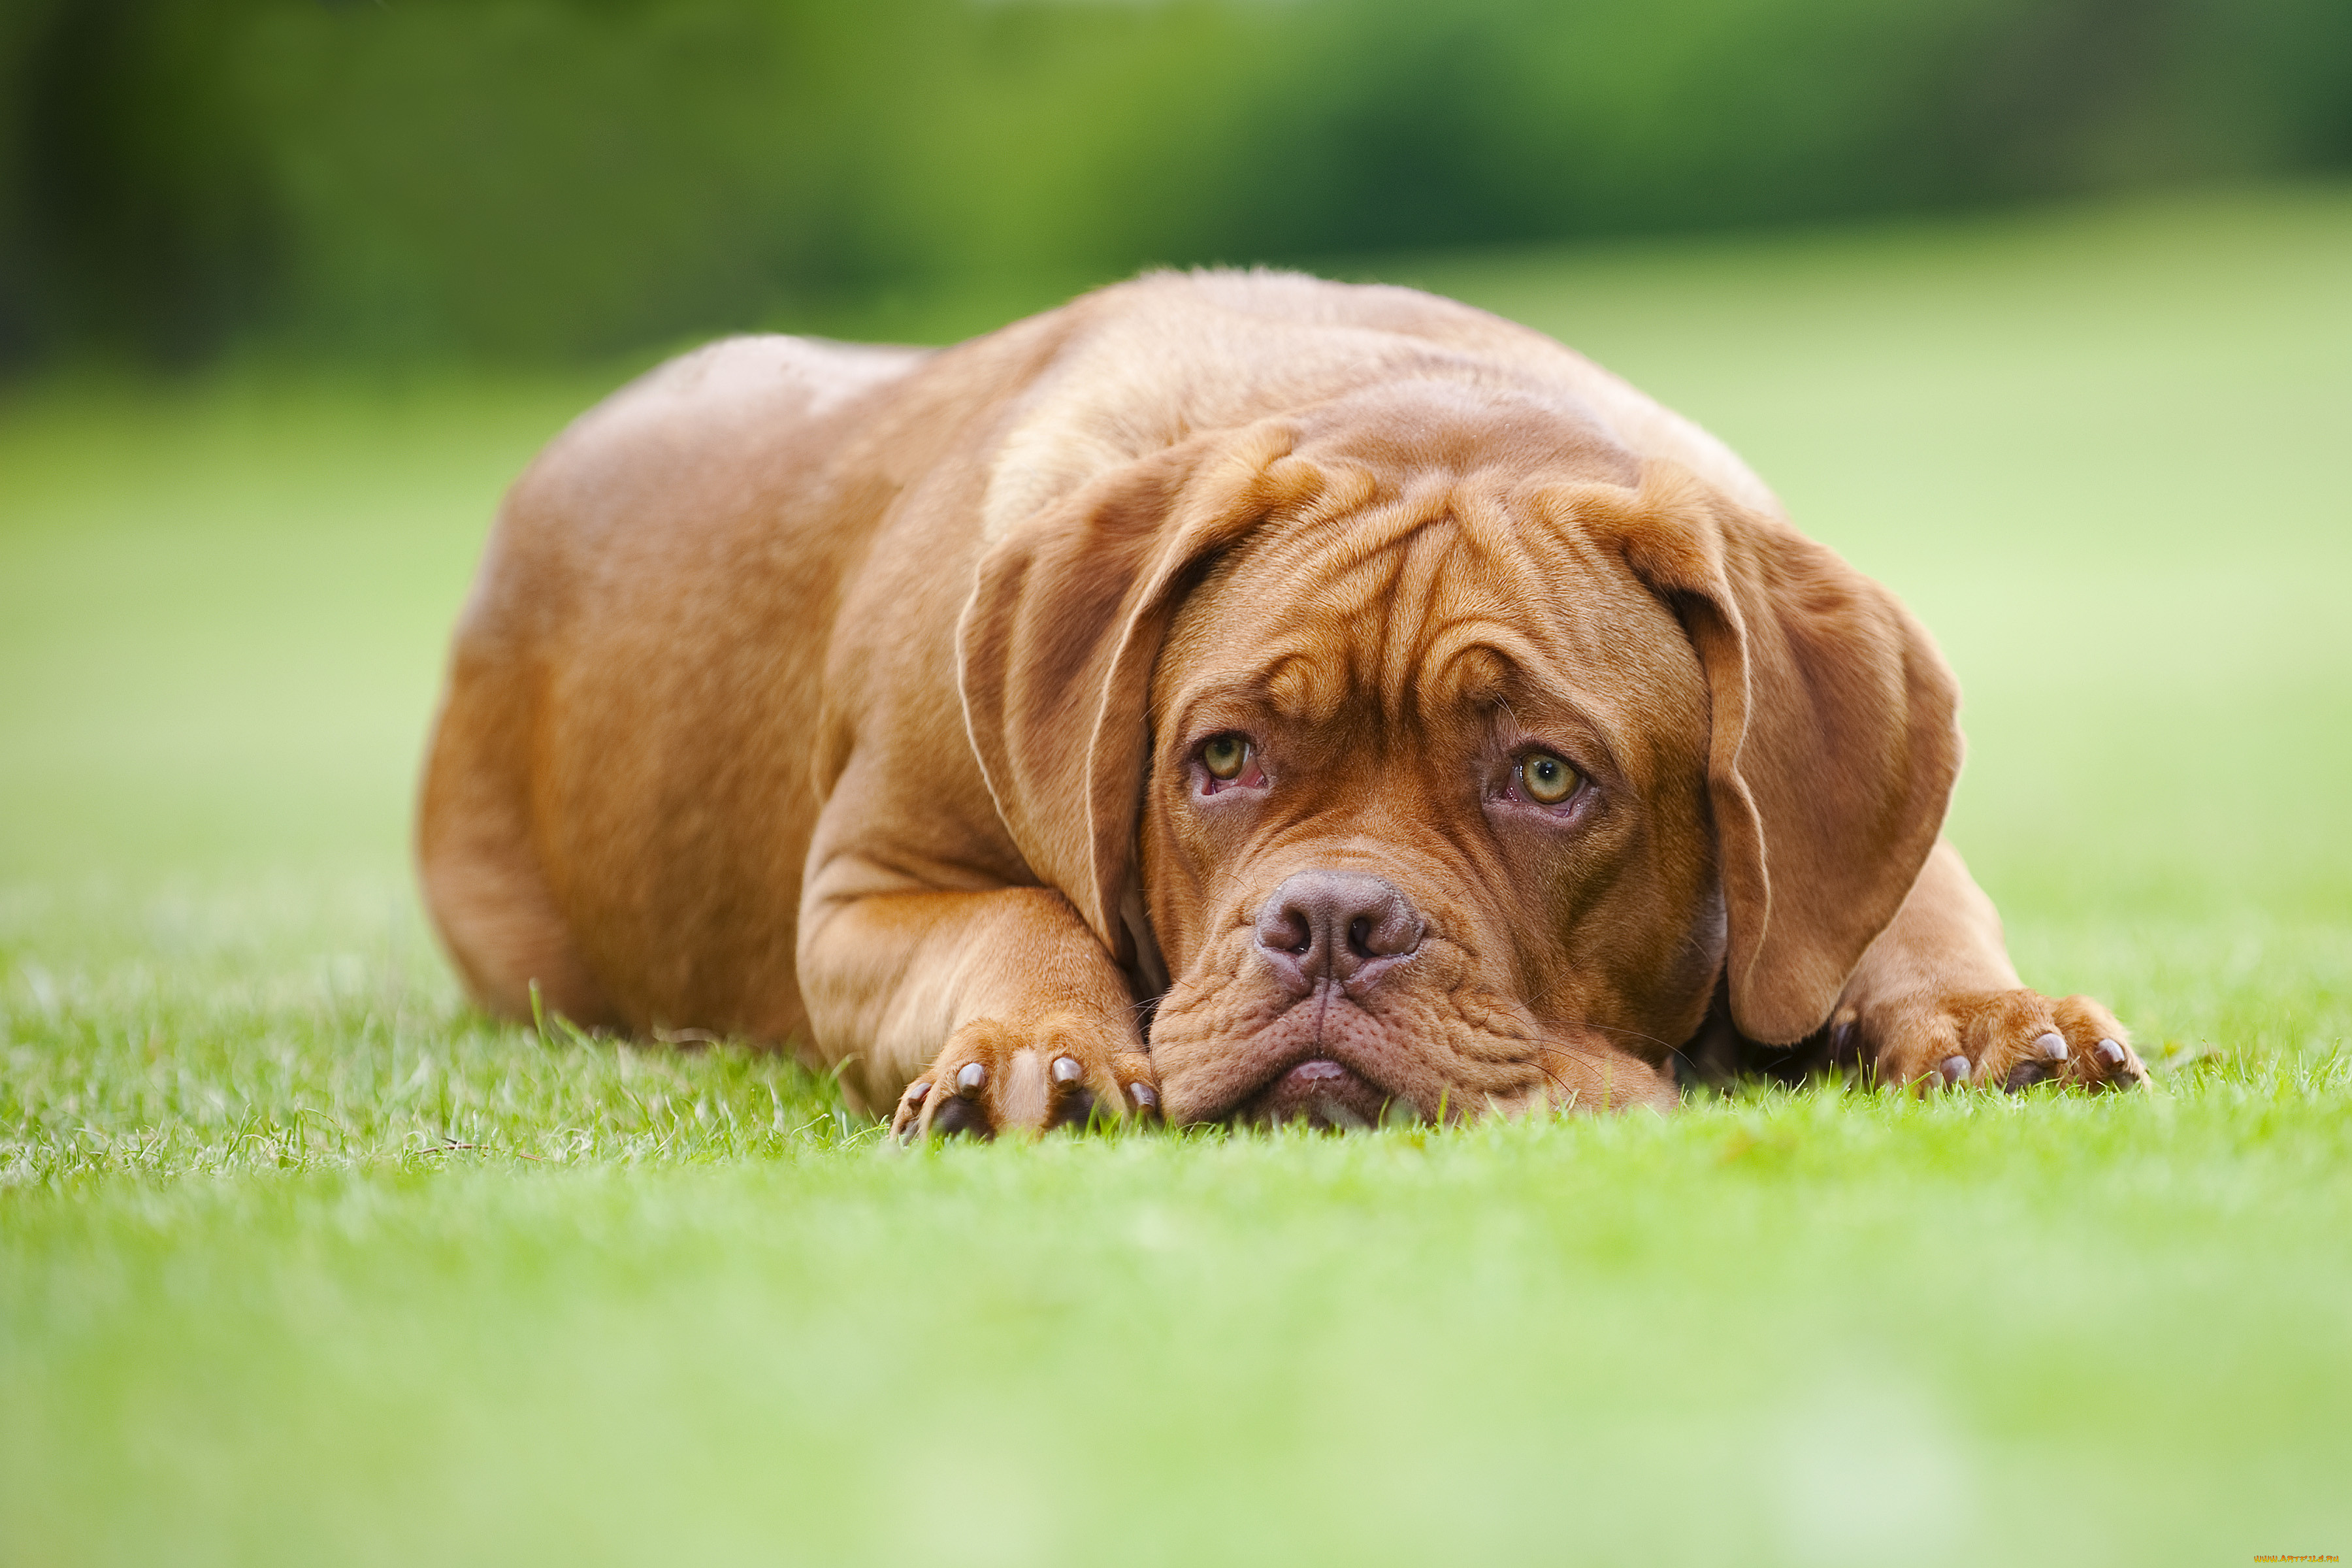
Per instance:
(1410,712)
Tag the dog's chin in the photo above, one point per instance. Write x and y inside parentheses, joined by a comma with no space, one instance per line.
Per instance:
(1324,1062)
(1320,1092)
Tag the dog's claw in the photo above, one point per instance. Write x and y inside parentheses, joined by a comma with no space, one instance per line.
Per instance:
(1145,1095)
(907,1124)
(2015,1038)
(998,1079)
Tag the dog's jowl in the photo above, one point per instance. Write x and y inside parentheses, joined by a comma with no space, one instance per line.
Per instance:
(1234,696)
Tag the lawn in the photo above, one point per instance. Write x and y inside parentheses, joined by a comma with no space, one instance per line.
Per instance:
(300,1261)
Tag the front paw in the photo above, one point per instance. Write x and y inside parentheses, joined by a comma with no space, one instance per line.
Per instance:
(2011,1039)
(992,1077)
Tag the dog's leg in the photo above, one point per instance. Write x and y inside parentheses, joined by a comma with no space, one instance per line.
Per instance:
(1936,1002)
(982,1013)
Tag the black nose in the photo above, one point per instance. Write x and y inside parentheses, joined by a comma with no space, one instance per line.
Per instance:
(1337,925)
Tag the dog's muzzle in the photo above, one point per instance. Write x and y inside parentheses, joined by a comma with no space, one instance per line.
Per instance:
(1327,938)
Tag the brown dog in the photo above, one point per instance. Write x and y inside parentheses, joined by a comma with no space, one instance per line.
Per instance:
(1247,695)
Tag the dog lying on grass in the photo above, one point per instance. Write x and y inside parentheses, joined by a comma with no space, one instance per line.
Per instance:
(1234,695)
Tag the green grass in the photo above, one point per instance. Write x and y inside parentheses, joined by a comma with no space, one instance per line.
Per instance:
(302,1262)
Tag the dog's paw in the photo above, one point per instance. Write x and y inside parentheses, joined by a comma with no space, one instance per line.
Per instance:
(993,1077)
(2008,1039)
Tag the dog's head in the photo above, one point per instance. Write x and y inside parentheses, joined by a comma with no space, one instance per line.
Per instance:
(1447,757)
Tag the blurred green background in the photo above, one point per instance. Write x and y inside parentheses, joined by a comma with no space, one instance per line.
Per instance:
(531,180)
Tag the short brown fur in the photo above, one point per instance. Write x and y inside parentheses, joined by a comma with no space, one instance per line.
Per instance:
(857,698)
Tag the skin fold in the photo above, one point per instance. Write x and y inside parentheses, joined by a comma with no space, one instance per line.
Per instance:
(1231,695)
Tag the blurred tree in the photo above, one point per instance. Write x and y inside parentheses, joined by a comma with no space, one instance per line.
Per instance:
(536,179)
(139,217)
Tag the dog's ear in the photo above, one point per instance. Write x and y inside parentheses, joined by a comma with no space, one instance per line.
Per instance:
(1054,650)
(1833,748)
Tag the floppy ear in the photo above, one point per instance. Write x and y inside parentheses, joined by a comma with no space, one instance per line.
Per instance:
(1054,650)
(1833,748)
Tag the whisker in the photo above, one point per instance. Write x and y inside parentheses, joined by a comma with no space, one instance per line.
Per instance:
(1567,1094)
(1666,1047)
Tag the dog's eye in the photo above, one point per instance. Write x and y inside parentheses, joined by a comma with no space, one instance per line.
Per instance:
(1225,755)
(1548,779)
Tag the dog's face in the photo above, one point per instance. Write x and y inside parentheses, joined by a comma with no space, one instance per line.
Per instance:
(1450,757)
(1426,825)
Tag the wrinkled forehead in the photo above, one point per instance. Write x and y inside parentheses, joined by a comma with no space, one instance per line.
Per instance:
(1429,607)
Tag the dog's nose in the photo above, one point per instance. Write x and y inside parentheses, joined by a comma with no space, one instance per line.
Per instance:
(1341,925)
